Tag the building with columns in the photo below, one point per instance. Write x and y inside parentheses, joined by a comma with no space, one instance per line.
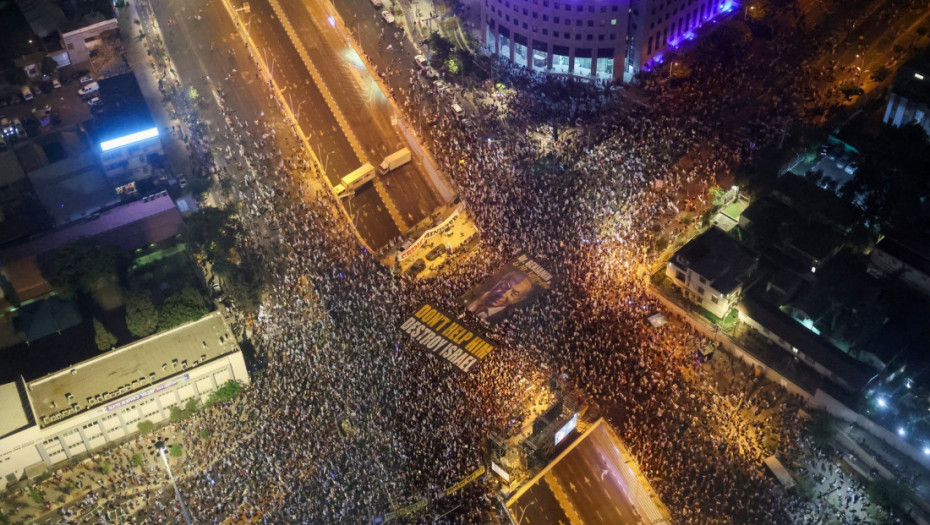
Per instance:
(71,413)
(593,39)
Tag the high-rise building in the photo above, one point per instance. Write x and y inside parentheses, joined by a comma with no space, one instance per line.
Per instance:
(596,39)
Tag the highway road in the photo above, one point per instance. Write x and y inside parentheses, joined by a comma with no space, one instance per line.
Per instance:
(584,487)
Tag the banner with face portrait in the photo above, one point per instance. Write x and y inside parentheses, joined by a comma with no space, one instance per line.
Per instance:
(516,285)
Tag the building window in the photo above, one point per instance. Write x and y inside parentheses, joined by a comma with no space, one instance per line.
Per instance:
(701,291)
(613,21)
(714,299)
(680,276)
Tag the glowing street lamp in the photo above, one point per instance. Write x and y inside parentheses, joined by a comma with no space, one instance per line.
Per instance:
(158,447)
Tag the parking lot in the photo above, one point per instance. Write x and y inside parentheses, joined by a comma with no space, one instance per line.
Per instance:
(64,101)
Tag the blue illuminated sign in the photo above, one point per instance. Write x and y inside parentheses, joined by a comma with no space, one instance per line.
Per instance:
(132,138)
(566,429)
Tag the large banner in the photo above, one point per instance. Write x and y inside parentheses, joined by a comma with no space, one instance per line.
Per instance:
(441,228)
(517,284)
(435,331)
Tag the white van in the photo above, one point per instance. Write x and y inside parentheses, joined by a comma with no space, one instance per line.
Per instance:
(457,109)
(93,87)
(27,93)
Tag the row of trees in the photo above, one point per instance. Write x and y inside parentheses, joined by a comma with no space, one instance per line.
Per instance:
(211,233)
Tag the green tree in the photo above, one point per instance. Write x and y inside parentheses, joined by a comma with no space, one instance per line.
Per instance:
(175,450)
(141,315)
(106,467)
(440,46)
(182,307)
(886,492)
(82,266)
(892,179)
(36,496)
(175,413)
(137,460)
(211,231)
(48,65)
(146,426)
(229,390)
(822,428)
(104,339)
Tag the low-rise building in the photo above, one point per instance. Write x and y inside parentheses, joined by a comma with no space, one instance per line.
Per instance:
(811,349)
(909,101)
(908,261)
(712,269)
(123,131)
(73,412)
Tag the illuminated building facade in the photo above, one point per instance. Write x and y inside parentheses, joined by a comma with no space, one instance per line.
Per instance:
(595,39)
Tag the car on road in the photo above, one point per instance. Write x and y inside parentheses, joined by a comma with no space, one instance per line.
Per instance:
(182,181)
(416,268)
(387,16)
(87,79)
(55,83)
(94,102)
(436,252)
(376,3)
(457,109)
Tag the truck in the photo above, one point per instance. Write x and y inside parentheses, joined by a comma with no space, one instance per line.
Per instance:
(395,160)
(355,179)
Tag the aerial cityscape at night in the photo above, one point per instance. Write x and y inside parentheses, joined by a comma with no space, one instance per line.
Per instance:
(520,262)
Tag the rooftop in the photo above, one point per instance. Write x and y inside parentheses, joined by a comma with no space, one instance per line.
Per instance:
(13,411)
(122,111)
(915,252)
(73,187)
(129,226)
(719,258)
(913,80)
(130,368)
(852,372)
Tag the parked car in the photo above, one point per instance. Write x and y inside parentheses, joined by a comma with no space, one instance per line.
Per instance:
(88,89)
(387,16)
(87,79)
(55,83)
(182,181)
(421,61)
(852,167)
(94,102)
(436,252)
(416,268)
(835,151)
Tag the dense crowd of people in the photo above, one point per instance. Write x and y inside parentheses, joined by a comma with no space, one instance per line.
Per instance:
(348,420)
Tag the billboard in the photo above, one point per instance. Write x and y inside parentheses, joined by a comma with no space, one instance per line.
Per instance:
(566,429)
(517,284)
(438,333)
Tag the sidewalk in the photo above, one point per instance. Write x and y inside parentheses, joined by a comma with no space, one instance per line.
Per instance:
(141,64)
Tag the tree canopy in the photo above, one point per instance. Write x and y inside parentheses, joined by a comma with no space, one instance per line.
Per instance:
(104,339)
(141,315)
(892,183)
(82,266)
(182,307)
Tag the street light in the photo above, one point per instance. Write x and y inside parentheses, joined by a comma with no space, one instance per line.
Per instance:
(523,512)
(158,446)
